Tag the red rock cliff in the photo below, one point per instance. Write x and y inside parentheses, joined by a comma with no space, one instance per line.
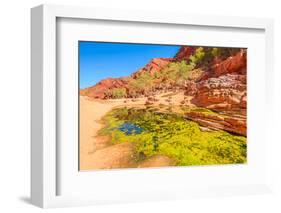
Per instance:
(184,53)
(225,87)
(100,89)
(155,65)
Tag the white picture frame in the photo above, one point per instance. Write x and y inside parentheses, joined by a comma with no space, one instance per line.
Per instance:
(44,153)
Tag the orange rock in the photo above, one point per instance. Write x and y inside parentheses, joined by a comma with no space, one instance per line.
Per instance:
(184,53)
(231,123)
(155,65)
(225,92)
(100,89)
(234,64)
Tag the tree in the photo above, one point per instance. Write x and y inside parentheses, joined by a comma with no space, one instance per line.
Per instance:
(118,93)
(197,57)
(143,83)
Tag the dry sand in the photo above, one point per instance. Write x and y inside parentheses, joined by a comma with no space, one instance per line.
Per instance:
(95,151)
(91,112)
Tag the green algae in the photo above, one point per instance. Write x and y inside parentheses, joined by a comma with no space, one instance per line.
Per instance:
(170,134)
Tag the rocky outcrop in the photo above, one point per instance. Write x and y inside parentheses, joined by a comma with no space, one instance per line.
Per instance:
(190,88)
(233,64)
(230,123)
(155,65)
(227,92)
(221,87)
(100,89)
(184,53)
(224,87)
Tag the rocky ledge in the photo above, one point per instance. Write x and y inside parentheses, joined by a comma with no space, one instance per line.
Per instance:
(230,123)
(227,92)
(225,87)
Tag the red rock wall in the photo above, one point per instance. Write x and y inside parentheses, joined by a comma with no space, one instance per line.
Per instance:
(184,53)
(225,87)
(234,64)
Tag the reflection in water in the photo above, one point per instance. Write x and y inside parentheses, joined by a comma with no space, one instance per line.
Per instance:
(129,128)
(157,131)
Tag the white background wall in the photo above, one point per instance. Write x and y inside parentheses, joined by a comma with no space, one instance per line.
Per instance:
(15,98)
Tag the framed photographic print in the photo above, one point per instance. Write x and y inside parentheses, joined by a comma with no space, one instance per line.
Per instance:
(176,105)
(130,106)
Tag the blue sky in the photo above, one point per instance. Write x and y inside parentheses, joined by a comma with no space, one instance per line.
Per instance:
(99,60)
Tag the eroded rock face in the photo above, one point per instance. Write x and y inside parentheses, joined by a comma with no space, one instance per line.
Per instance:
(224,87)
(231,123)
(227,92)
(100,89)
(233,64)
(184,53)
(155,65)
(190,88)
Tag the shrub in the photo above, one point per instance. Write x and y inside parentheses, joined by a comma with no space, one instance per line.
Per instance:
(118,93)
(143,83)
(197,57)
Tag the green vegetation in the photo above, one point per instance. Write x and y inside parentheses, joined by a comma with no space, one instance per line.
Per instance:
(116,93)
(142,84)
(204,57)
(201,110)
(224,52)
(174,75)
(173,136)
(197,57)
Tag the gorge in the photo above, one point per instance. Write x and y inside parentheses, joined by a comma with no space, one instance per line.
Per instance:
(186,110)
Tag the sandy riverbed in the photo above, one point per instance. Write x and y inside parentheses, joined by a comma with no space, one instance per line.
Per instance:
(95,152)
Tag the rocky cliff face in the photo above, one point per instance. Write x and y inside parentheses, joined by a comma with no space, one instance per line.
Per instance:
(184,53)
(222,87)
(233,64)
(231,122)
(100,89)
(155,65)
(225,87)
